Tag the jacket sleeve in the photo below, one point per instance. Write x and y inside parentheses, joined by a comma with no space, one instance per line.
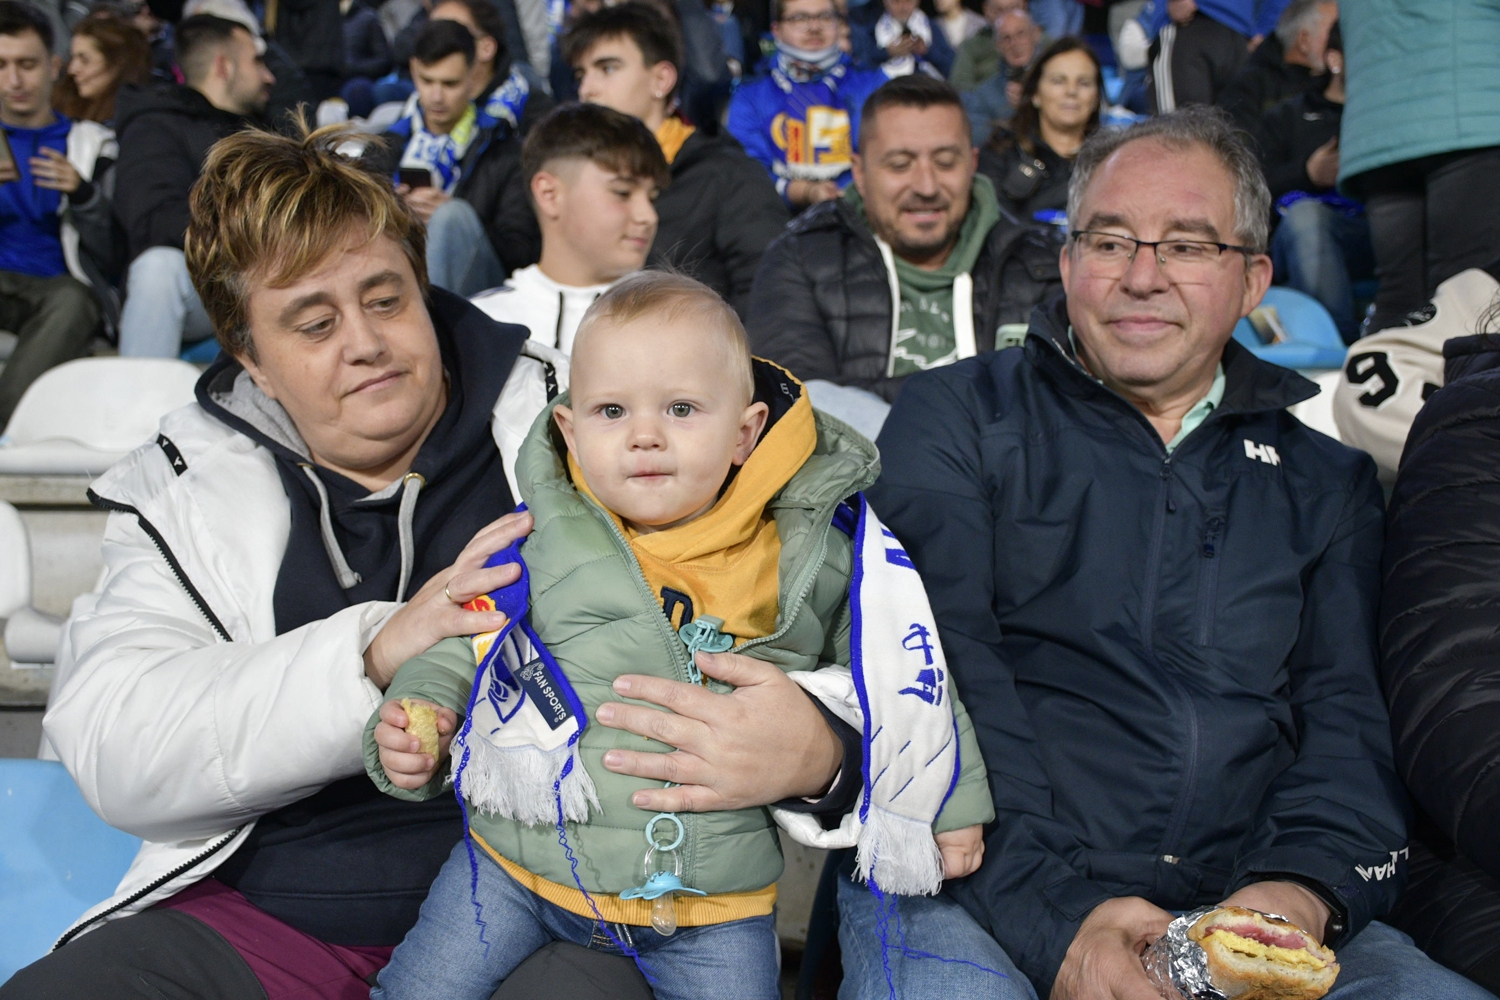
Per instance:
(444,676)
(784,321)
(1284,171)
(970,803)
(1336,816)
(1031,892)
(749,219)
(1439,609)
(94,220)
(940,52)
(152,179)
(173,734)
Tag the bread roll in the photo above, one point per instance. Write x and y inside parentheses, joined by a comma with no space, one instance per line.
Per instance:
(421,722)
(1252,956)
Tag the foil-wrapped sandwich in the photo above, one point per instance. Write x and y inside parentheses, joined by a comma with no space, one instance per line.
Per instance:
(1233,953)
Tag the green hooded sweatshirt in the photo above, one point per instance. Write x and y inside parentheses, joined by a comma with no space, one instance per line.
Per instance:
(925,336)
(592,606)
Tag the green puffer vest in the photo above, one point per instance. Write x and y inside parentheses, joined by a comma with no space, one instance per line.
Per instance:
(591,605)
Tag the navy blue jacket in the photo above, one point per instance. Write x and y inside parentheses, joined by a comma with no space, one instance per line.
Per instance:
(1170,661)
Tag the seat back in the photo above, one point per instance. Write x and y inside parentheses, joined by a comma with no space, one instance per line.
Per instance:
(15,562)
(1313,339)
(112,404)
(57,859)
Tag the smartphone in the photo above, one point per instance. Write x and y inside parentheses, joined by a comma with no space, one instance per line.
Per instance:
(7,158)
(415,177)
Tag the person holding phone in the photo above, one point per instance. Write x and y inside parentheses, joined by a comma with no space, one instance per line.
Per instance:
(446,148)
(52,312)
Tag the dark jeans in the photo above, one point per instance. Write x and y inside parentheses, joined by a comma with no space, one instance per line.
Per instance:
(1429,219)
(168,954)
(1322,252)
(53,319)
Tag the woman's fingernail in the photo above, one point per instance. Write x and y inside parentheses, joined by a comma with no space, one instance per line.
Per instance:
(614,758)
(622,684)
(605,713)
(639,800)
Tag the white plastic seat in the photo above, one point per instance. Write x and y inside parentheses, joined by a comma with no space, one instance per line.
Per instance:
(30,635)
(84,416)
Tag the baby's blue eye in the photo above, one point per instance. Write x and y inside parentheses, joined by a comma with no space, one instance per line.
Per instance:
(612,411)
(682,409)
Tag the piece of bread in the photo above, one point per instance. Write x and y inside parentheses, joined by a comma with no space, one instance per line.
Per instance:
(421,722)
(1255,957)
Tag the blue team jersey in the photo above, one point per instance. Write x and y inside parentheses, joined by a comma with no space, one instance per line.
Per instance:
(803,130)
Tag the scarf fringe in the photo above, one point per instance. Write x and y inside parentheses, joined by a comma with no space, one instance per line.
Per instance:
(517,782)
(899,854)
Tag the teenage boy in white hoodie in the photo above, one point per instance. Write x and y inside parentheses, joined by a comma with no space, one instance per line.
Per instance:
(592,175)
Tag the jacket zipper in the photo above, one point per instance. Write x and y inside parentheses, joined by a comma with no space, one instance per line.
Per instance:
(1208,579)
(115,506)
(674,645)
(146,890)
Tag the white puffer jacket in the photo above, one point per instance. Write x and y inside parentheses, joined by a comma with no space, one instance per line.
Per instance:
(180,712)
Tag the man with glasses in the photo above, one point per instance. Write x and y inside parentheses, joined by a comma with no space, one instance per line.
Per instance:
(801,119)
(1156,591)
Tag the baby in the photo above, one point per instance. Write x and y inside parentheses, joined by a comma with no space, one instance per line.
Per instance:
(686,498)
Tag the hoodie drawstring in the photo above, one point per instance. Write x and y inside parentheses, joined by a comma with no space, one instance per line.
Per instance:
(411,487)
(347,577)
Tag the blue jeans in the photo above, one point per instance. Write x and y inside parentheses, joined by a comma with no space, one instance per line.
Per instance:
(442,957)
(162,309)
(460,258)
(936,925)
(1322,252)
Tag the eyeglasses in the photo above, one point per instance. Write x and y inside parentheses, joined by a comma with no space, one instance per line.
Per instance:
(1109,255)
(827,19)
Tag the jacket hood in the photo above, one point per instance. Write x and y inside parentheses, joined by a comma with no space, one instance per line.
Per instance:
(167,98)
(1251,385)
(983,213)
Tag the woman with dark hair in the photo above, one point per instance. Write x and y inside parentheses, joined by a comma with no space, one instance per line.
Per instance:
(1031,161)
(106,52)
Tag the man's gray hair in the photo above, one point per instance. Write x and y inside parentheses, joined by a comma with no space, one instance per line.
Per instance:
(1194,125)
(1299,16)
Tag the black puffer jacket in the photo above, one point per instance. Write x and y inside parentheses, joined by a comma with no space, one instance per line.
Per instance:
(165,132)
(1440,648)
(821,306)
(486,173)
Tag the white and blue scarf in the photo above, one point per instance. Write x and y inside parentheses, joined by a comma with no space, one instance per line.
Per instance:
(441,155)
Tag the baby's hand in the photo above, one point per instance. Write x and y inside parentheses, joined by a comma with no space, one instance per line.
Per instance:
(962,851)
(401,751)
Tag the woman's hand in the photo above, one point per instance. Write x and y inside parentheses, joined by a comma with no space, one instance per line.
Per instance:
(763,742)
(436,611)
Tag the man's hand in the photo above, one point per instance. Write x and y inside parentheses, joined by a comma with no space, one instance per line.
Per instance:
(761,743)
(906,45)
(962,850)
(801,192)
(52,170)
(400,752)
(1297,903)
(1323,164)
(436,611)
(422,201)
(1104,960)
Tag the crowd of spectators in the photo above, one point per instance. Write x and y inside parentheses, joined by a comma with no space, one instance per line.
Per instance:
(881,189)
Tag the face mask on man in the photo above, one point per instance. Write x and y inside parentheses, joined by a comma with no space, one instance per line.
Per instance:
(810,61)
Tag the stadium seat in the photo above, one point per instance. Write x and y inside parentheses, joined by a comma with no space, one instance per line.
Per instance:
(57,859)
(30,635)
(84,416)
(202,352)
(1313,340)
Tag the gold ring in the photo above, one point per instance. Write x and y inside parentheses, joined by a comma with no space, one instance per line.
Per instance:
(448,595)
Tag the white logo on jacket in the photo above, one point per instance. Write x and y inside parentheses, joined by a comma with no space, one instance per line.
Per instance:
(1266,453)
(1382,872)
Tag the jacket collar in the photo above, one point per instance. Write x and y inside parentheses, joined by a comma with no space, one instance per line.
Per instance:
(1251,385)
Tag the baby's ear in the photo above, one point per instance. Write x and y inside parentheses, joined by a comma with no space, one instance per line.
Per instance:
(751,425)
(563,417)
